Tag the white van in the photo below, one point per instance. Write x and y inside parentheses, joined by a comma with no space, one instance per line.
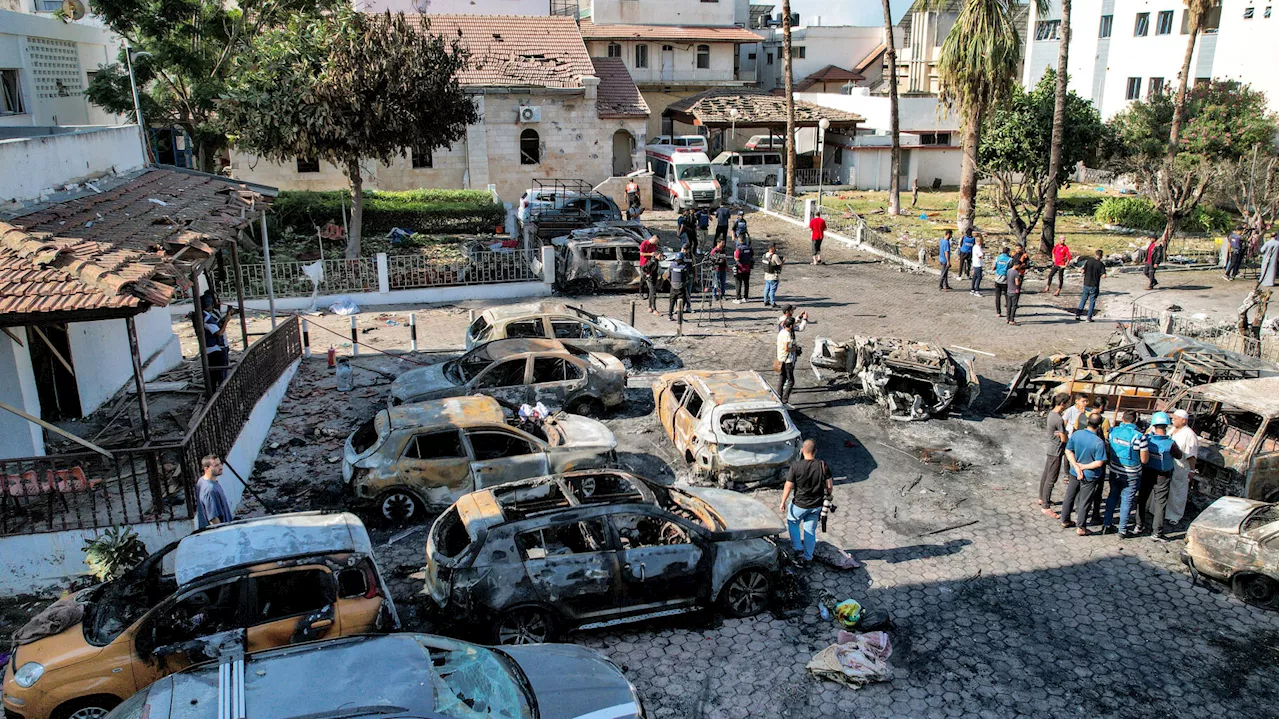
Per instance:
(682,177)
(697,141)
(761,167)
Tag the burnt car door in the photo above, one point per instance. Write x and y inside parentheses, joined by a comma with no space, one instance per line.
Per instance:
(686,420)
(431,460)
(604,261)
(629,265)
(500,455)
(193,626)
(556,379)
(289,606)
(578,333)
(660,560)
(504,381)
(572,566)
(1264,461)
(669,401)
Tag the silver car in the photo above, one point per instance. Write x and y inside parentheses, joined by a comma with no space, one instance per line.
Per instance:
(573,326)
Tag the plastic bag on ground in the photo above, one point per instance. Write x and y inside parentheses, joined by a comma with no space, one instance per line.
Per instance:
(344,306)
(859,661)
(848,612)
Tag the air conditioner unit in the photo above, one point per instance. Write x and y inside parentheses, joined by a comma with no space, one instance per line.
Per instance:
(529,113)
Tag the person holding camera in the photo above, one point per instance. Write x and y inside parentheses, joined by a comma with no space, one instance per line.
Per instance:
(788,354)
(808,486)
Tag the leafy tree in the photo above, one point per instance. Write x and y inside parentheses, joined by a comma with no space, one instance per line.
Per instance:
(189,46)
(1223,122)
(1197,13)
(1059,131)
(1015,149)
(345,88)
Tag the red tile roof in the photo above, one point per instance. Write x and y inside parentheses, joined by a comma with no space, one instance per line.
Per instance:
(675,33)
(865,62)
(756,108)
(128,247)
(617,95)
(515,51)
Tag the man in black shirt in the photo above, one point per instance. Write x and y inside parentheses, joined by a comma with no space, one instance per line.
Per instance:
(1094,271)
(808,485)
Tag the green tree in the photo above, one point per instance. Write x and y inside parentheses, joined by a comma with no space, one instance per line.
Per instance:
(347,88)
(1059,131)
(1197,13)
(1016,139)
(184,50)
(1222,123)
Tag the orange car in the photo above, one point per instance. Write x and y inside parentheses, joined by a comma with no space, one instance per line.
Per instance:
(240,586)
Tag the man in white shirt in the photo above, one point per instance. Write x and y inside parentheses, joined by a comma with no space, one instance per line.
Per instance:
(1183,469)
(1073,417)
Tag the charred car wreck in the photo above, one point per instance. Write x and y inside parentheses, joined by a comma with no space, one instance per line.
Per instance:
(912,380)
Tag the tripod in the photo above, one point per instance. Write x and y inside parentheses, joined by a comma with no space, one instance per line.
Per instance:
(708,304)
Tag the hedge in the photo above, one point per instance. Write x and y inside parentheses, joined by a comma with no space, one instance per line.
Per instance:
(1139,213)
(428,212)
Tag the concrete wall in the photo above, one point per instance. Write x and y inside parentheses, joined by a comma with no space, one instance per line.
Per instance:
(457,7)
(662,12)
(42,47)
(244,453)
(100,354)
(870,167)
(18,437)
(448,169)
(684,59)
(33,166)
(919,114)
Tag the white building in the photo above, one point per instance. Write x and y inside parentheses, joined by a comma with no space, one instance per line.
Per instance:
(818,48)
(1124,50)
(45,65)
(457,7)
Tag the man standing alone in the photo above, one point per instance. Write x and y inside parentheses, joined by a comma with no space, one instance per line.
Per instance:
(1057,442)
(772,274)
(723,215)
(1094,271)
(212,506)
(808,484)
(1155,255)
(944,260)
(817,232)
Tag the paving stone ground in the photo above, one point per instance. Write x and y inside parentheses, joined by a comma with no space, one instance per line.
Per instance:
(1006,616)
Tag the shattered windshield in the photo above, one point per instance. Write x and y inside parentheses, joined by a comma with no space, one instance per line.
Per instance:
(466,367)
(472,682)
(694,172)
(118,604)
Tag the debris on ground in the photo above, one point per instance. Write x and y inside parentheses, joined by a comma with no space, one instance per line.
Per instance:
(835,557)
(913,380)
(855,663)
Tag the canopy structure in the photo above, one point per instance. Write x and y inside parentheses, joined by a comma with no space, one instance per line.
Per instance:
(755,108)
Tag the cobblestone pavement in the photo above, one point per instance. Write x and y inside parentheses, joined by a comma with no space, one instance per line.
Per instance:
(997,611)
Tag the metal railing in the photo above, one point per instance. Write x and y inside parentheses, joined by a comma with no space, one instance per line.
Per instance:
(1215,332)
(752,194)
(416,271)
(785,204)
(288,279)
(808,177)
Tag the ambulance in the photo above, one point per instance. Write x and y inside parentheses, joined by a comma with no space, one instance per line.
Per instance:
(682,177)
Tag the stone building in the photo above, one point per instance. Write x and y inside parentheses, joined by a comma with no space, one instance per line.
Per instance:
(547,111)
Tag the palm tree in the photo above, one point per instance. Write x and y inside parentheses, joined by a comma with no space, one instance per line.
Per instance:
(1197,10)
(791,100)
(977,67)
(1050,217)
(891,66)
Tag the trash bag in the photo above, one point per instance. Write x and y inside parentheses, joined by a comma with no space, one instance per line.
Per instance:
(398,236)
(833,556)
(848,612)
(859,661)
(344,306)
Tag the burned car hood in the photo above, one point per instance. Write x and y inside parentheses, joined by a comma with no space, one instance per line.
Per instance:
(571,682)
(743,517)
(1225,515)
(623,329)
(416,383)
(582,432)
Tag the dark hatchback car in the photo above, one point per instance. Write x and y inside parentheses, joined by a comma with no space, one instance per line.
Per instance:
(397,676)
(595,548)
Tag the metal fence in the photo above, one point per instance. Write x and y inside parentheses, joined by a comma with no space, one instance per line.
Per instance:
(785,204)
(752,194)
(416,271)
(1215,332)
(288,279)
(808,177)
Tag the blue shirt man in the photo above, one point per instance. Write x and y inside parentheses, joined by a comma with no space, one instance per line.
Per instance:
(722,216)
(1126,443)
(212,506)
(966,243)
(1088,449)
(704,219)
(944,249)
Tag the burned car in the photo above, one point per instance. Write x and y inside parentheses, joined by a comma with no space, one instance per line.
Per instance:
(913,380)
(238,586)
(1236,421)
(522,371)
(402,676)
(1234,541)
(573,326)
(730,426)
(528,560)
(412,458)
(601,262)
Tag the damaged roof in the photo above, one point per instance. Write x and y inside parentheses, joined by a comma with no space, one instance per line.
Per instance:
(515,51)
(674,33)
(830,73)
(119,251)
(617,95)
(726,386)
(266,539)
(1251,395)
(452,412)
(525,309)
(756,108)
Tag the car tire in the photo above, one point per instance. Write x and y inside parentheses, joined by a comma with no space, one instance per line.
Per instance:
(1255,589)
(526,625)
(587,407)
(746,594)
(88,708)
(399,505)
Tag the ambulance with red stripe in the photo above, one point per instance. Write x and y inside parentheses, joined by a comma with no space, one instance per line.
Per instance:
(682,177)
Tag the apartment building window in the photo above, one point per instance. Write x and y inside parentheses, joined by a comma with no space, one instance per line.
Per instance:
(751,56)
(48,5)
(1141,24)
(420,159)
(1155,86)
(1164,22)
(615,50)
(1133,88)
(642,56)
(1048,30)
(1209,26)
(530,147)
(935,138)
(704,57)
(307,164)
(799,51)
(1104,27)
(10,93)
(768,58)
(1248,13)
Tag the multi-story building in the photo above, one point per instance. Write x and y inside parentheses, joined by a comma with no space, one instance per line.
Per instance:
(822,56)
(46,64)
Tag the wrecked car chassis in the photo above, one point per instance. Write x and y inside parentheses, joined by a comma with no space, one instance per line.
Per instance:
(912,380)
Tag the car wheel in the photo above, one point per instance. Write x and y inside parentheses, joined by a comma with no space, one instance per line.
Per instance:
(746,594)
(399,506)
(1255,589)
(528,625)
(588,407)
(92,708)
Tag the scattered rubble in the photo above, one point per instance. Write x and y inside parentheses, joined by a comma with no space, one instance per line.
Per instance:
(913,380)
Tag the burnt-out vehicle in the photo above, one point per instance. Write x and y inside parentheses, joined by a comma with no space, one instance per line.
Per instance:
(416,457)
(912,380)
(573,326)
(1239,453)
(526,561)
(729,426)
(522,371)
(1235,541)
(233,587)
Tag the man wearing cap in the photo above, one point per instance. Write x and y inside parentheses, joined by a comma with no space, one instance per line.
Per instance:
(1126,445)
(1183,469)
(1157,474)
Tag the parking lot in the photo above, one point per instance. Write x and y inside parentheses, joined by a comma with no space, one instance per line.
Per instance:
(997,611)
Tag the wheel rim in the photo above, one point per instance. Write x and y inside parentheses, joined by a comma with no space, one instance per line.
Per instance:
(748,593)
(524,628)
(88,713)
(398,507)
(1256,589)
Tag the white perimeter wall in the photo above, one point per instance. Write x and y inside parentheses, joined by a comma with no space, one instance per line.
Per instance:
(101,357)
(30,166)
(457,7)
(244,453)
(18,437)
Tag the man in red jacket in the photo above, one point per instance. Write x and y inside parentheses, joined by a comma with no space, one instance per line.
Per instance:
(817,231)
(1061,258)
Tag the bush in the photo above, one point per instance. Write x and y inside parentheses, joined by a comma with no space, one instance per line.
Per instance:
(429,212)
(1209,220)
(114,552)
(1137,213)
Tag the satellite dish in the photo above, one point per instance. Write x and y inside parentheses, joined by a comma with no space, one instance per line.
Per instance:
(73,9)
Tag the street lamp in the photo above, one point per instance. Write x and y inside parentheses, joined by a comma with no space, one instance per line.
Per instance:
(733,148)
(130,56)
(823,124)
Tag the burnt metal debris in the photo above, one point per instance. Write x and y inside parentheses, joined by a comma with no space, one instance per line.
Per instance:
(912,380)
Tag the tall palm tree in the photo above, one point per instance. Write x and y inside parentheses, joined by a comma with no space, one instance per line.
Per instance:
(1197,10)
(891,66)
(791,100)
(977,67)
(1050,216)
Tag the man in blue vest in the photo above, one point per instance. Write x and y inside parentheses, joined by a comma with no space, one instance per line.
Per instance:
(1125,447)
(965,252)
(1001,268)
(1157,474)
(944,261)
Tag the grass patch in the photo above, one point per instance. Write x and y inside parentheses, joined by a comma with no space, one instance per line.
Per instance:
(427,211)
